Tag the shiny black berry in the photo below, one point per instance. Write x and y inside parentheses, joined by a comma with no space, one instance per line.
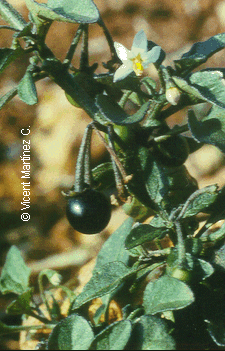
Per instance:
(88,212)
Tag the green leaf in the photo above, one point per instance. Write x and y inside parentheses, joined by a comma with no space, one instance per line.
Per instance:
(211,129)
(103,175)
(165,294)
(72,333)
(151,333)
(26,88)
(8,55)
(22,304)
(10,15)
(115,114)
(73,11)
(15,274)
(210,84)
(114,337)
(143,233)
(105,279)
(192,92)
(7,97)
(114,248)
(199,203)
(200,52)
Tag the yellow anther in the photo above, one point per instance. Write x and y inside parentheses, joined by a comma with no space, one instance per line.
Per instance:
(137,65)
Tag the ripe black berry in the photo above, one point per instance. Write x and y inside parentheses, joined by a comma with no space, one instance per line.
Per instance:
(88,212)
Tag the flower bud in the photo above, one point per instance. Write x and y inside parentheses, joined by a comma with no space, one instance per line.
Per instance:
(173,95)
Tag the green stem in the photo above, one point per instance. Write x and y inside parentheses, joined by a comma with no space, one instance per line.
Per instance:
(84,62)
(73,46)
(42,293)
(83,160)
(8,329)
(37,316)
(109,40)
(180,245)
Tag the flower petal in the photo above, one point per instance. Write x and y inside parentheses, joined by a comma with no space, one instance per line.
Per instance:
(123,71)
(151,56)
(140,42)
(122,52)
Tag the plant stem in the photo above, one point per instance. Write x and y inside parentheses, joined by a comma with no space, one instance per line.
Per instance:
(84,62)
(180,245)
(113,154)
(37,316)
(8,329)
(73,46)
(118,178)
(82,159)
(109,40)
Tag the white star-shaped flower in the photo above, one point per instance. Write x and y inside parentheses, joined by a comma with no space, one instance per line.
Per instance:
(137,58)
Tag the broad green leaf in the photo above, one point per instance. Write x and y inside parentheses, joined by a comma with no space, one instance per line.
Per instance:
(73,11)
(105,279)
(26,88)
(166,294)
(205,198)
(151,333)
(154,181)
(7,97)
(22,304)
(200,52)
(143,233)
(115,114)
(211,129)
(15,274)
(159,222)
(72,333)
(114,248)
(193,93)
(210,84)
(114,337)
(10,15)
(7,56)
(103,175)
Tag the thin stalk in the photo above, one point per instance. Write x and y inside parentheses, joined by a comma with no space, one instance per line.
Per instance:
(87,160)
(109,39)
(44,299)
(9,329)
(73,46)
(37,316)
(124,98)
(113,154)
(80,169)
(118,178)
(11,28)
(180,245)
(84,61)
